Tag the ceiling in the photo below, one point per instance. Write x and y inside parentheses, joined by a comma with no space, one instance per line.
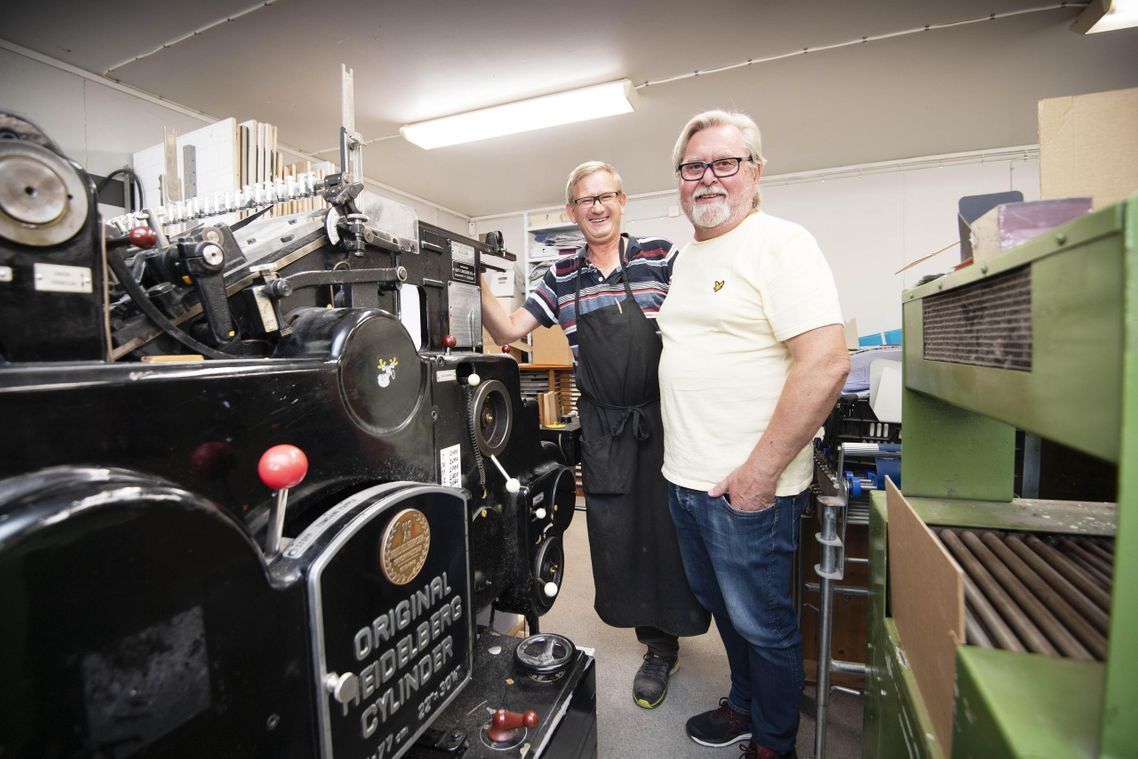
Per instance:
(948,89)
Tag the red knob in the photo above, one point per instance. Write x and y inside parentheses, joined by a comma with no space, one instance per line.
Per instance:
(282,466)
(143,237)
(504,720)
(449,341)
(505,349)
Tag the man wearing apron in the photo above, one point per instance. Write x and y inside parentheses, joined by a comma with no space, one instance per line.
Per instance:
(606,299)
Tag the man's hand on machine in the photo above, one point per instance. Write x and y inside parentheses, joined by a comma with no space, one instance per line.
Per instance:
(746,490)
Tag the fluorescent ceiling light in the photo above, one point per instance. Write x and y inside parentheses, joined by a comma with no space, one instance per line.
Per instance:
(524,115)
(1106,16)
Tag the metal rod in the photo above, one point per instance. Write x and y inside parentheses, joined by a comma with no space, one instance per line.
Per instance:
(1097,549)
(992,620)
(1052,628)
(1094,613)
(974,634)
(841,590)
(1034,640)
(1070,571)
(1093,640)
(276,524)
(847,667)
(1103,568)
(829,569)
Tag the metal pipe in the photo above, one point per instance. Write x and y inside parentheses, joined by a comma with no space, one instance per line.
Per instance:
(1103,567)
(1092,639)
(974,634)
(1032,638)
(1097,549)
(1003,634)
(1052,628)
(1070,571)
(1080,558)
(847,667)
(827,572)
(841,590)
(1097,616)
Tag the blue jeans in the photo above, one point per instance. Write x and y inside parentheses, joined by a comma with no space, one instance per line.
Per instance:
(739,565)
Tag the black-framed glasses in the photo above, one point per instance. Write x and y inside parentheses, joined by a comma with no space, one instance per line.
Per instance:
(720,167)
(604,198)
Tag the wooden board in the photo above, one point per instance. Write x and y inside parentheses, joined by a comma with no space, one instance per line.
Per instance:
(926,588)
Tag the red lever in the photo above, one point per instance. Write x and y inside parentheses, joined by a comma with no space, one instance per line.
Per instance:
(143,237)
(282,466)
(503,723)
(449,341)
(505,349)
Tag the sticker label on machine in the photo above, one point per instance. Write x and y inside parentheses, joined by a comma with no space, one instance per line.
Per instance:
(396,611)
(57,278)
(450,466)
(462,262)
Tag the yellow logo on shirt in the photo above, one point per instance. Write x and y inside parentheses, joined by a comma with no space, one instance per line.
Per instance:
(718,285)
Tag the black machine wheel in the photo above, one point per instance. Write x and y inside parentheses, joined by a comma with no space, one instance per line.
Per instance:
(492,416)
(548,567)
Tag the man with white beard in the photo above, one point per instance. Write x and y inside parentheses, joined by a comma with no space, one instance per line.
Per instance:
(754,358)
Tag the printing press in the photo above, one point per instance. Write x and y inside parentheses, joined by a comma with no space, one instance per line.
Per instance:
(245,510)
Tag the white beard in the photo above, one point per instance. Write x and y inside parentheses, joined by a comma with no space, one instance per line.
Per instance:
(716,213)
(709,215)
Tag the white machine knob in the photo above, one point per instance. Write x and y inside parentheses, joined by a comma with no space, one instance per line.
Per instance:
(473,380)
(550,589)
(512,485)
(540,513)
(344,688)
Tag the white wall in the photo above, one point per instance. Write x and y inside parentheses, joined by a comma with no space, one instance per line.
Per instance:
(869,221)
(100,124)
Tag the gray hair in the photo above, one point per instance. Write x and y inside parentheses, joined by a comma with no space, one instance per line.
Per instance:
(752,140)
(587,168)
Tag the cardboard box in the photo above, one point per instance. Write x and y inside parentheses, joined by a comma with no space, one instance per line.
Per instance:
(501,283)
(1011,224)
(550,346)
(1088,146)
(549,408)
(927,589)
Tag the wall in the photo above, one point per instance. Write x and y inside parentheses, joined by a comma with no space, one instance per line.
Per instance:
(869,221)
(99,124)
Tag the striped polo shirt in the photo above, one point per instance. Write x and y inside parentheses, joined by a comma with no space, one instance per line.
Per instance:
(649,264)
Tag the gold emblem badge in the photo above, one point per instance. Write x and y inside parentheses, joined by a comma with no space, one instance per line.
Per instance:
(404,547)
(718,285)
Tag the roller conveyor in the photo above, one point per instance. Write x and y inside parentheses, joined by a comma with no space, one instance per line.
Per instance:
(1045,596)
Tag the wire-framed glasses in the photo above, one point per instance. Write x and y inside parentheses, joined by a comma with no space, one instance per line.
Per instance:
(720,167)
(604,198)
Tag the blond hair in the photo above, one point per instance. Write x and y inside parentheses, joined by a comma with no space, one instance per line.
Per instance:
(584,170)
(752,139)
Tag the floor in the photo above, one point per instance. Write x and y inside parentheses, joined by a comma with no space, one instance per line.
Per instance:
(626,731)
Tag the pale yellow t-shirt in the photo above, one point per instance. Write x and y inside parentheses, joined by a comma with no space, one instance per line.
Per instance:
(733,302)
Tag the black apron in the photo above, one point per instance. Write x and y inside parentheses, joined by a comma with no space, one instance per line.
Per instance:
(637,570)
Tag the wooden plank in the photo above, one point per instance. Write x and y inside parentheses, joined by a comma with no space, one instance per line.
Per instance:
(926,587)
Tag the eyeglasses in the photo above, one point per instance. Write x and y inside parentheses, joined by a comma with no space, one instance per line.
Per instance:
(720,167)
(589,200)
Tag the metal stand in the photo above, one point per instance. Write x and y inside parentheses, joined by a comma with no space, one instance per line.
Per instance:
(833,500)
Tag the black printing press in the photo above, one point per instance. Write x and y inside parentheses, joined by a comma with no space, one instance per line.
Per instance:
(245,510)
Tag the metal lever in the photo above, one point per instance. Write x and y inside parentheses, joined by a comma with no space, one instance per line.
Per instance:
(281,467)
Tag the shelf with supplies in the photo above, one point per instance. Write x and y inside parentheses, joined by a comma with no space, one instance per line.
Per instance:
(549,235)
(539,379)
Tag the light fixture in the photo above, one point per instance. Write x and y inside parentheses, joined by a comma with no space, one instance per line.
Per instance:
(1106,16)
(567,107)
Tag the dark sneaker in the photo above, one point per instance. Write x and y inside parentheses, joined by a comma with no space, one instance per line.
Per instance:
(752,750)
(651,682)
(719,727)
